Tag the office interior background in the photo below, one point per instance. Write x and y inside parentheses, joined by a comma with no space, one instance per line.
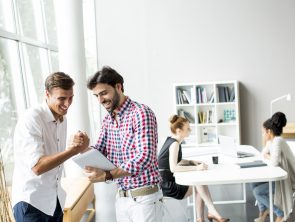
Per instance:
(153,44)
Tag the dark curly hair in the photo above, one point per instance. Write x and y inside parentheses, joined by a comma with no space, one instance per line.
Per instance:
(276,123)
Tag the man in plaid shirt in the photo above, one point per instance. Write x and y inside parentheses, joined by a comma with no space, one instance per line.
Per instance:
(128,138)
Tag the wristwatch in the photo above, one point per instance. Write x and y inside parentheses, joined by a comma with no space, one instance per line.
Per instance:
(108,177)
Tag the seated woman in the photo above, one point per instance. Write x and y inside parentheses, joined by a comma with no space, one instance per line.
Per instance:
(277,153)
(170,161)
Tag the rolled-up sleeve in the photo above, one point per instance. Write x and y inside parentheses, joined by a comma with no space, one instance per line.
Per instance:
(102,138)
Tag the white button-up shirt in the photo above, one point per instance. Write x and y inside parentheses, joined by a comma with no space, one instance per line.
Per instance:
(38,134)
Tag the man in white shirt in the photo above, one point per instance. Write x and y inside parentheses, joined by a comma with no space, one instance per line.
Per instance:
(39,152)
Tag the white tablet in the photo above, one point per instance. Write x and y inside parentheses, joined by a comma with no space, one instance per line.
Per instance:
(93,158)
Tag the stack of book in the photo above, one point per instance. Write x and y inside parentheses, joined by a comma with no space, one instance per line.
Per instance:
(186,115)
(205,116)
(226,94)
(184,97)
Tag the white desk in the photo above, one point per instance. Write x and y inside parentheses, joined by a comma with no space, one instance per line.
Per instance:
(229,173)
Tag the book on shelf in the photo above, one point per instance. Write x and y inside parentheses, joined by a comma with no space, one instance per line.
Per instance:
(211,98)
(199,95)
(181,97)
(187,115)
(187,96)
(221,94)
(210,116)
(204,95)
(226,94)
(193,96)
(232,95)
(205,116)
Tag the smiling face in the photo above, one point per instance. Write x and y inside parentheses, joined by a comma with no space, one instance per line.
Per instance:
(59,100)
(108,96)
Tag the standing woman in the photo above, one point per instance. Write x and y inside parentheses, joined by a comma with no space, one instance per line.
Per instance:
(170,161)
(277,153)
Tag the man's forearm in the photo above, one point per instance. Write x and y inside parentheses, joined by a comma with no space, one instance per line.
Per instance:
(46,163)
(118,172)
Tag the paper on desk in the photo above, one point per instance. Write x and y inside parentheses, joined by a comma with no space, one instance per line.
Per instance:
(93,158)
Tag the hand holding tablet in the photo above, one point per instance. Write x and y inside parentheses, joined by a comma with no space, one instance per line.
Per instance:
(93,158)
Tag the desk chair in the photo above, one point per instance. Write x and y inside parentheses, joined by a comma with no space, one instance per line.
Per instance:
(171,206)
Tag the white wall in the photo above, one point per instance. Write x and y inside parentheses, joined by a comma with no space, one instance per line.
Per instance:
(154,44)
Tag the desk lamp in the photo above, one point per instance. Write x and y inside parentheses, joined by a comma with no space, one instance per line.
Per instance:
(287,97)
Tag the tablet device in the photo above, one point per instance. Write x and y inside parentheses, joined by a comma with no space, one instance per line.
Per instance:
(93,158)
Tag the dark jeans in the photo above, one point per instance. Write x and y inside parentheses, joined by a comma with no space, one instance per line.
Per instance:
(24,212)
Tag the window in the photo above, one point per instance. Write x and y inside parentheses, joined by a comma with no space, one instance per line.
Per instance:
(28,53)
(30,19)
(11,100)
(91,62)
(36,69)
(6,16)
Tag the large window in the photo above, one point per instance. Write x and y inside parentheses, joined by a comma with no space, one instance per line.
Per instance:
(11,100)
(28,53)
(91,62)
(7,22)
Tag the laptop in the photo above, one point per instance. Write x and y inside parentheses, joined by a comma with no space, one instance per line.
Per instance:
(229,148)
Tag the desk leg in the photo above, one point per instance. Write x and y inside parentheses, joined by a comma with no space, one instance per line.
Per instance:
(244,193)
(270,201)
(194,203)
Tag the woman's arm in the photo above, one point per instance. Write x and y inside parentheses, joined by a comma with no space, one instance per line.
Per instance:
(276,149)
(176,167)
(265,152)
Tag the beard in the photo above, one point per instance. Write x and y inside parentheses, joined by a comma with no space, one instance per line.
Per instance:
(115,102)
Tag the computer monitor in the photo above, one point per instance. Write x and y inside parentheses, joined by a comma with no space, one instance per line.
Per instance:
(228,147)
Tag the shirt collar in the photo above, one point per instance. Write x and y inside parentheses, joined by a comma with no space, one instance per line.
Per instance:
(49,117)
(121,109)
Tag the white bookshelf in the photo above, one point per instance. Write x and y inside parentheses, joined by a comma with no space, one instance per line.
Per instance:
(212,108)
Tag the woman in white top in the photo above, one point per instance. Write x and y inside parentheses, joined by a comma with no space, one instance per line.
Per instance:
(170,161)
(278,153)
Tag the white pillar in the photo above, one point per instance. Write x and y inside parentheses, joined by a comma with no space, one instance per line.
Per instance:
(69,21)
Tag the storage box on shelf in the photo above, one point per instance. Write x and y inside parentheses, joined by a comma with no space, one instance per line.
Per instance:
(211,108)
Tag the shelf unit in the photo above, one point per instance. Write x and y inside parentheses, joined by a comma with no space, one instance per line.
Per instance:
(212,109)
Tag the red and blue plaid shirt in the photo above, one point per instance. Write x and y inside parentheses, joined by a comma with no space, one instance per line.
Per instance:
(131,144)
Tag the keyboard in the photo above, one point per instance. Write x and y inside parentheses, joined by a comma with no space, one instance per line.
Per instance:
(244,154)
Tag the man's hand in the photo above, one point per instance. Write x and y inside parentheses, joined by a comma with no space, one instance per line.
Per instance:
(95,174)
(79,142)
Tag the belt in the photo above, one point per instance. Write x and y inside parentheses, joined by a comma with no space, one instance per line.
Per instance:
(143,191)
